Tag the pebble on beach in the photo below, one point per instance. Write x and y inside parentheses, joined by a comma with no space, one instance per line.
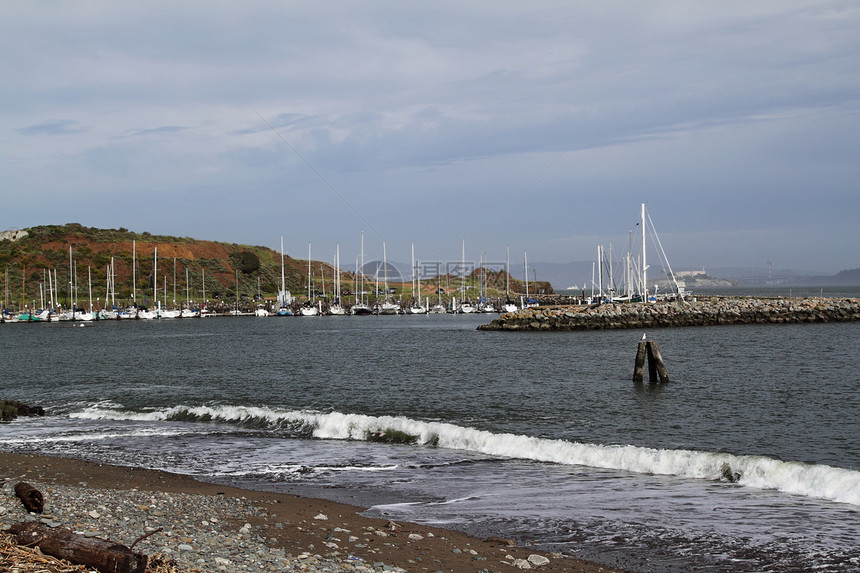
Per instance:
(198,532)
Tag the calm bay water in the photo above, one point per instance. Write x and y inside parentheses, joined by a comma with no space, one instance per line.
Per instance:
(748,460)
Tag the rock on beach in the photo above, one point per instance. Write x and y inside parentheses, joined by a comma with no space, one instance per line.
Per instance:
(702,312)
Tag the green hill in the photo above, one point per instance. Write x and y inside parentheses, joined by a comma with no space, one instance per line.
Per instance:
(27,256)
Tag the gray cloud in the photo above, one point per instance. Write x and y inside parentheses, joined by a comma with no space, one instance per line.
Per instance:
(52,127)
(542,125)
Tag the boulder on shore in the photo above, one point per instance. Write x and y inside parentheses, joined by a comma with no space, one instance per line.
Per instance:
(11,409)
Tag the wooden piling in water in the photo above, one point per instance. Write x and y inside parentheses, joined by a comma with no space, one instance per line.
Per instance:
(639,368)
(656,367)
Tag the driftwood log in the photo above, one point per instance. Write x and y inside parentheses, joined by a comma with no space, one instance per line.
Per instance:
(104,556)
(30,497)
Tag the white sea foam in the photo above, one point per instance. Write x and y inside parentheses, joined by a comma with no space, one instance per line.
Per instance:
(813,480)
(91,436)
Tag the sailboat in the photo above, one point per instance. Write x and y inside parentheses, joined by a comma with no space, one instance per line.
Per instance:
(439,307)
(188,311)
(509,306)
(147,313)
(284,297)
(387,306)
(527,302)
(335,308)
(415,307)
(465,306)
(643,286)
(360,308)
(308,309)
(484,304)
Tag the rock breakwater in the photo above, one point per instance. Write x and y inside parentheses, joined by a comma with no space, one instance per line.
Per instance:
(703,312)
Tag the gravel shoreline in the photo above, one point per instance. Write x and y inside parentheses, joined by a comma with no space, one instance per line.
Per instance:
(210,527)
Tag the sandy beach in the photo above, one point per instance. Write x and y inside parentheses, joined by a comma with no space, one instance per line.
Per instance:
(309,534)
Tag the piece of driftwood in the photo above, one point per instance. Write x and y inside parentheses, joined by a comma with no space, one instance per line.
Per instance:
(104,556)
(30,497)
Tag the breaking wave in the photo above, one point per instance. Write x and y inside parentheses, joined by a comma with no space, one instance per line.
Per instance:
(812,480)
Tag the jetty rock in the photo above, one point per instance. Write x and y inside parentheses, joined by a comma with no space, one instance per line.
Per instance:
(11,409)
(701,312)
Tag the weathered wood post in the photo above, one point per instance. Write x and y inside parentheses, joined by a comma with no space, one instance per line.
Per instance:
(639,368)
(656,367)
(655,358)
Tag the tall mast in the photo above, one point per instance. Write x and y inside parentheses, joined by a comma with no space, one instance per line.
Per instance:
(133,273)
(644,264)
(71,284)
(283,280)
(309,272)
(463,262)
(508,273)
(384,271)
(526,263)
(337,271)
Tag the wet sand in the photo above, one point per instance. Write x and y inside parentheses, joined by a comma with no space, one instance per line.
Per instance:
(294,523)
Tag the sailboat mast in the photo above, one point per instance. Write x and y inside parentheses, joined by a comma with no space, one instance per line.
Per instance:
(112,283)
(133,273)
(526,263)
(508,273)
(71,284)
(644,264)
(463,262)
(309,272)
(283,280)
(337,271)
(384,271)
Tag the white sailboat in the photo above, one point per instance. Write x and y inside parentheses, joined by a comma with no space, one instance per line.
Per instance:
(284,297)
(387,306)
(484,304)
(465,306)
(416,306)
(335,308)
(309,309)
(670,276)
(527,303)
(360,308)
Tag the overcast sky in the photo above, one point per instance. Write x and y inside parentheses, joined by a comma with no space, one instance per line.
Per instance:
(539,125)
